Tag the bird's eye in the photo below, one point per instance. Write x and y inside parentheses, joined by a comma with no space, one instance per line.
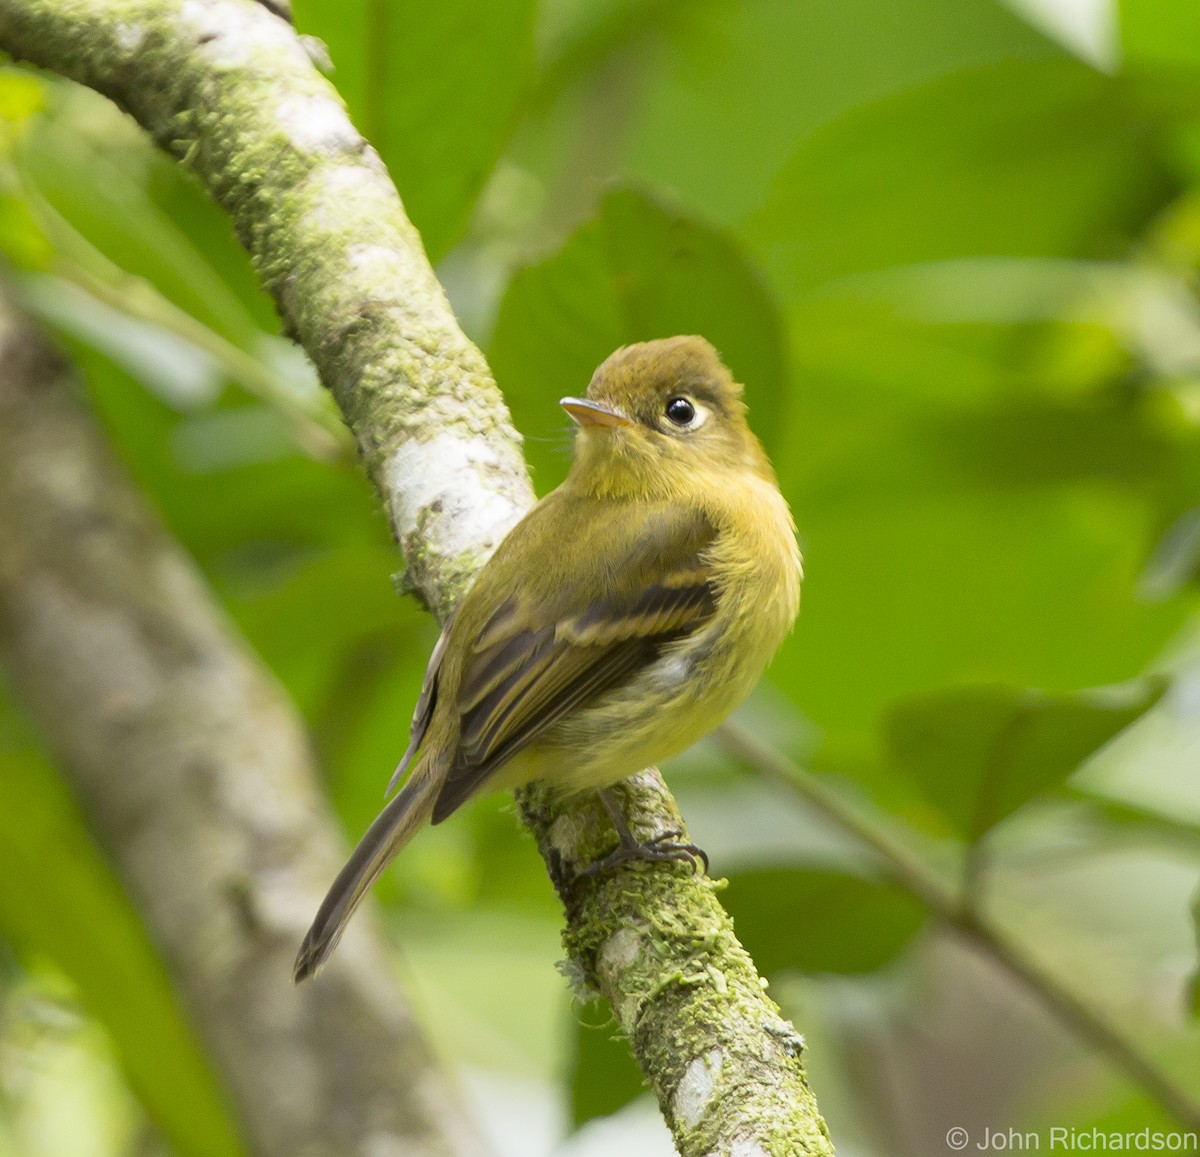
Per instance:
(680,412)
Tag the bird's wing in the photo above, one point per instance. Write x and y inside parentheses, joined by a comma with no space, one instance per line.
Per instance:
(426,702)
(533,664)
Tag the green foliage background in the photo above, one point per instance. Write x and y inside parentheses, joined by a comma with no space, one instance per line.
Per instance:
(955,263)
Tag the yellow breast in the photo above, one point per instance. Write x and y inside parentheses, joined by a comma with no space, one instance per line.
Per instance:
(699,680)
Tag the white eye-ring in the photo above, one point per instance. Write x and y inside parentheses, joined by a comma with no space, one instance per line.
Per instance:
(684,414)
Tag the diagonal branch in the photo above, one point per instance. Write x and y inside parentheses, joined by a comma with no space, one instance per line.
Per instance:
(1073,1010)
(229,89)
(198,777)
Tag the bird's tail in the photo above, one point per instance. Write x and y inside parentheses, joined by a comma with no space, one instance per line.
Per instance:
(392,829)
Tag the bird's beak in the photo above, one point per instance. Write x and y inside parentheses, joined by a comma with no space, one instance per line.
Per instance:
(588,413)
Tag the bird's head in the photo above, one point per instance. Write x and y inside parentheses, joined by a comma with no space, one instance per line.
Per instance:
(660,416)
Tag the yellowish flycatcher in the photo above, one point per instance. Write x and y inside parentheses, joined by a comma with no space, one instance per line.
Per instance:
(626,615)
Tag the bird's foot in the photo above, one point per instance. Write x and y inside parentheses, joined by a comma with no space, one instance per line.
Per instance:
(662,849)
(667,847)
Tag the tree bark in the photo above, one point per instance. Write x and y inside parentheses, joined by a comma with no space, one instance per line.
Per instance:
(229,90)
(199,780)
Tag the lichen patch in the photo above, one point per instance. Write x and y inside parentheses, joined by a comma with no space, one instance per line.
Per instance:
(129,36)
(694,1094)
(619,951)
(317,124)
(747,1147)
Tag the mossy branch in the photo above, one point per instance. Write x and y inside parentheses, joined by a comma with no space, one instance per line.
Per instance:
(229,89)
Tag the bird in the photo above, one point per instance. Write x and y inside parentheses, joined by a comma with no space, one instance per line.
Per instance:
(625,616)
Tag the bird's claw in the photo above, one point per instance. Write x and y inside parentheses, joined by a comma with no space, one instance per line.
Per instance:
(664,848)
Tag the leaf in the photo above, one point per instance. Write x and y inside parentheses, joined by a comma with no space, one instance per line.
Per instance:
(1175,562)
(21,239)
(964,518)
(978,754)
(1149,826)
(603,1076)
(1041,158)
(342,597)
(819,920)
(1160,32)
(60,898)
(279,510)
(1194,983)
(435,88)
(738,86)
(103,189)
(640,270)
(21,96)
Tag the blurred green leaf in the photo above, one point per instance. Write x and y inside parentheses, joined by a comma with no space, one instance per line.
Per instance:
(101,188)
(22,94)
(920,575)
(22,241)
(341,597)
(1149,826)
(819,920)
(486,986)
(640,270)
(1160,32)
(603,1076)
(1039,158)
(435,88)
(964,518)
(736,87)
(980,753)
(1194,984)
(60,898)
(277,511)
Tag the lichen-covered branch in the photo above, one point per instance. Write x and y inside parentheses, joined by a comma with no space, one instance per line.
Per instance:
(723,1062)
(198,777)
(229,90)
